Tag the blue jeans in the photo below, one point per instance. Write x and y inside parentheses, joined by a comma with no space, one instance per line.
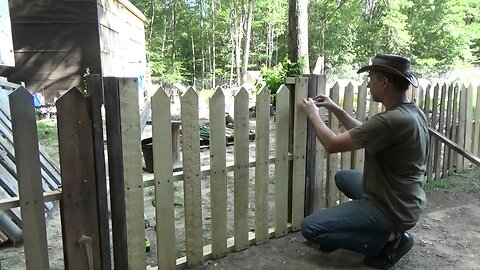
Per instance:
(356,225)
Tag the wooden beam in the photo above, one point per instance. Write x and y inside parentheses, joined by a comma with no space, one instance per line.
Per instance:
(466,154)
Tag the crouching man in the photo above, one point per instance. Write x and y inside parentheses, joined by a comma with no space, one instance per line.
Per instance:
(388,196)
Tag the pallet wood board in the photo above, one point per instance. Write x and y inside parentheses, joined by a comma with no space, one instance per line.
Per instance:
(29,179)
(164,192)
(218,175)
(241,174)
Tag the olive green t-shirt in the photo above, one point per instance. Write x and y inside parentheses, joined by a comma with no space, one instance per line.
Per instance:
(396,144)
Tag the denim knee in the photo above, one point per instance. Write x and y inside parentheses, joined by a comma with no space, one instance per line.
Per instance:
(340,180)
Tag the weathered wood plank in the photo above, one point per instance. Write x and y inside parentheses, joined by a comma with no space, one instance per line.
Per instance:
(333,161)
(29,179)
(462,117)
(467,154)
(281,161)
(468,122)
(262,130)
(448,131)
(132,172)
(310,155)
(241,165)
(95,93)
(299,151)
(319,195)
(78,207)
(116,171)
(359,155)
(438,146)
(164,192)
(218,174)
(453,154)
(192,179)
(434,124)
(476,136)
(346,157)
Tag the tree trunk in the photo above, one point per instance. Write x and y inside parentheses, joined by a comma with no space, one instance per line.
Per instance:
(298,32)
(193,62)
(212,55)
(247,30)
(152,21)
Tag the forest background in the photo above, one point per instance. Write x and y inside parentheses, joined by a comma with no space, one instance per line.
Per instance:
(208,43)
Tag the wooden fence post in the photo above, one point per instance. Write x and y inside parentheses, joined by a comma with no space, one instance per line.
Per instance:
(241,173)
(218,174)
(262,129)
(29,178)
(319,193)
(163,182)
(346,157)
(476,136)
(125,172)
(299,151)
(192,177)
(281,161)
(310,159)
(78,206)
(95,97)
(333,160)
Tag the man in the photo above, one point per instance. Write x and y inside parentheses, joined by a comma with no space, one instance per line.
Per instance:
(388,197)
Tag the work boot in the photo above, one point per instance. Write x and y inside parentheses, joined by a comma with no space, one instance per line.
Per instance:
(391,253)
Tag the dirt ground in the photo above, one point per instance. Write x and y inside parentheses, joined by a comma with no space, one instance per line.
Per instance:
(447,237)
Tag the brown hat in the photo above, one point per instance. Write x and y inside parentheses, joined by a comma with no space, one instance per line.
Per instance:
(393,64)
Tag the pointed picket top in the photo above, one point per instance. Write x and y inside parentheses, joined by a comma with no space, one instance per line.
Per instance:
(160,93)
(283,88)
(364,83)
(218,93)
(349,87)
(189,93)
(336,85)
(262,90)
(21,95)
(241,93)
(73,93)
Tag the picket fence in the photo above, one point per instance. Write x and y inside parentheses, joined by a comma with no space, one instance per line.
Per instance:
(303,179)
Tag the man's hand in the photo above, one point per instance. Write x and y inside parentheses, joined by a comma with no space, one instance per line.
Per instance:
(309,107)
(325,101)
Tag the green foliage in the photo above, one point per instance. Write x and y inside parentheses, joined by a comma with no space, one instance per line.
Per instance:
(274,77)
(192,40)
(446,183)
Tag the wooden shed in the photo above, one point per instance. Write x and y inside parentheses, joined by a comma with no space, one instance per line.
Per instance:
(57,42)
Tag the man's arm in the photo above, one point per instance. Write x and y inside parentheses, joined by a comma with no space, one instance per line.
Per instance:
(332,143)
(347,120)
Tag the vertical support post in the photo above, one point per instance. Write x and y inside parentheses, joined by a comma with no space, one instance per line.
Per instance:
(115,169)
(310,171)
(95,95)
(299,151)
(319,195)
(29,178)
(78,206)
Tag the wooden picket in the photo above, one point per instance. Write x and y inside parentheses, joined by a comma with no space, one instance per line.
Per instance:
(192,177)
(164,192)
(333,159)
(29,178)
(320,190)
(218,174)
(262,129)
(476,135)
(241,176)
(299,152)
(281,161)
(346,157)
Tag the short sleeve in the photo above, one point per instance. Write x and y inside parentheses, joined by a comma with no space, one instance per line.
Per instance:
(374,135)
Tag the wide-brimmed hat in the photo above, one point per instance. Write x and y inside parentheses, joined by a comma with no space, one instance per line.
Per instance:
(393,64)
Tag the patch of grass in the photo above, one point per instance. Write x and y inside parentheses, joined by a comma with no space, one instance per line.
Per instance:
(445,183)
(48,137)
